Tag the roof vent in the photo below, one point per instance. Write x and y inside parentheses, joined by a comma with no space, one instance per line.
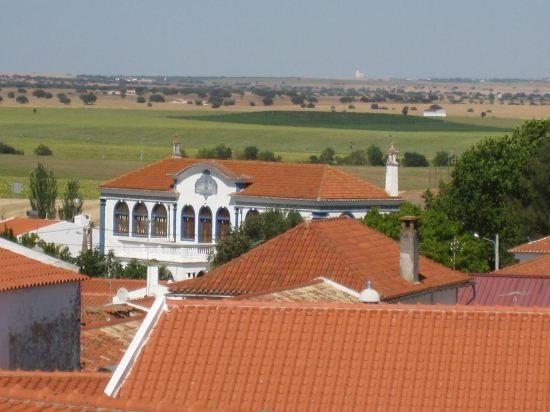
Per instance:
(369,295)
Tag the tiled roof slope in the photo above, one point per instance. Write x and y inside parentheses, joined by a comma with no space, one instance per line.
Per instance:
(104,346)
(100,291)
(254,356)
(18,271)
(536,246)
(539,266)
(20,225)
(342,250)
(268,179)
(507,291)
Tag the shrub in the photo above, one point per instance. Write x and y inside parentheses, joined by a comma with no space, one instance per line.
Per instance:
(268,156)
(374,106)
(156,98)
(413,159)
(252,104)
(250,153)
(88,98)
(267,101)
(470,110)
(21,90)
(140,99)
(11,95)
(441,159)
(405,110)
(22,99)
(63,98)
(7,149)
(483,114)
(42,150)
(375,155)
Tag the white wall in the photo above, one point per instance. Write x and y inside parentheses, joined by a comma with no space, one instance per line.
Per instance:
(40,327)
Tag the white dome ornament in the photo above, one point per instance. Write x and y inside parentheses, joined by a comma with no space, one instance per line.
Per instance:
(369,295)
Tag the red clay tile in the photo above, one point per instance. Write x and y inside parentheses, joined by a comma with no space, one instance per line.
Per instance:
(21,225)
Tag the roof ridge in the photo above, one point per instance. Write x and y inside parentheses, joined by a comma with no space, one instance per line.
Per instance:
(135,170)
(321,183)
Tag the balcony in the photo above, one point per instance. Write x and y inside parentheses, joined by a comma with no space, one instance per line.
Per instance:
(164,251)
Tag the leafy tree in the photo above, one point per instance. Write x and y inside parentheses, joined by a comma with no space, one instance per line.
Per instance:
(413,159)
(42,150)
(223,152)
(206,153)
(250,153)
(7,149)
(29,240)
(43,191)
(347,99)
(268,156)
(313,159)
(405,110)
(22,99)
(133,270)
(298,99)
(1,98)
(267,101)
(355,158)
(232,246)
(63,98)
(11,95)
(88,98)
(441,159)
(70,206)
(327,156)
(156,98)
(375,155)
(140,99)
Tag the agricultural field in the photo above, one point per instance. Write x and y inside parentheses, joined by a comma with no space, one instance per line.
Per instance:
(96,144)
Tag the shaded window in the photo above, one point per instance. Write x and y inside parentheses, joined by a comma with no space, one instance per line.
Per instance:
(140,220)
(122,219)
(205,225)
(223,224)
(160,221)
(188,223)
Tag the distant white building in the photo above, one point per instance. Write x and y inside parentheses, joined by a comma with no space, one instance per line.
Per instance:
(359,75)
(435,111)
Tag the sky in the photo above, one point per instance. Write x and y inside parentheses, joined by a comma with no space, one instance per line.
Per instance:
(278,38)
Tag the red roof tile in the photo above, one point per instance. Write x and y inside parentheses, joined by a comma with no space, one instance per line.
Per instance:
(536,246)
(20,225)
(539,266)
(254,356)
(100,291)
(343,250)
(268,179)
(18,271)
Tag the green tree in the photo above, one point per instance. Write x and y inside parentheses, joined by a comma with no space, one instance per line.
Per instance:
(42,150)
(267,101)
(250,153)
(375,155)
(232,246)
(327,156)
(156,98)
(88,98)
(413,159)
(96,264)
(405,110)
(22,99)
(140,99)
(268,156)
(72,201)
(43,191)
(223,152)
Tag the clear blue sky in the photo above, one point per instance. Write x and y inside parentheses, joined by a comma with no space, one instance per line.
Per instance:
(399,38)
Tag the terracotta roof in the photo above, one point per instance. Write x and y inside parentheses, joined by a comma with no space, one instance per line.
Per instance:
(18,271)
(314,291)
(536,246)
(268,179)
(104,346)
(342,250)
(100,291)
(254,356)
(539,266)
(507,291)
(21,225)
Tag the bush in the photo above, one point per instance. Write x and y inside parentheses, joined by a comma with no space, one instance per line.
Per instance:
(7,149)
(140,99)
(374,106)
(483,114)
(347,99)
(250,153)
(252,104)
(405,110)
(375,155)
(22,99)
(156,98)
(11,95)
(88,98)
(267,101)
(21,90)
(441,159)
(63,98)
(1,98)
(413,159)
(470,110)
(42,150)
(351,107)
(268,156)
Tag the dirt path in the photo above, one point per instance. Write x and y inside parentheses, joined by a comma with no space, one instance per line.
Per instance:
(19,207)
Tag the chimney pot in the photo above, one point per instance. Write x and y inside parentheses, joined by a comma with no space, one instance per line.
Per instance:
(408,249)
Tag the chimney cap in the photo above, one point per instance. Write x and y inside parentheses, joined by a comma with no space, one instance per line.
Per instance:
(369,295)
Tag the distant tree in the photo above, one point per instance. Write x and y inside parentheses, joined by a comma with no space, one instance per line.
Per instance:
(313,159)
(223,152)
(311,105)
(63,98)
(355,158)
(405,110)
(267,101)
(252,103)
(7,149)
(413,159)
(206,153)
(72,202)
(232,246)
(42,150)
(268,156)
(483,114)
(156,98)
(375,155)
(96,264)
(39,93)
(327,156)
(88,98)
(351,107)
(21,90)
(374,106)
(298,99)
(22,99)
(347,99)
(250,153)
(441,159)
(140,99)
(11,95)
(43,191)
(1,98)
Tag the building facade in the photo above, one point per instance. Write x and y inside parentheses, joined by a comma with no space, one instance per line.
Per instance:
(174,211)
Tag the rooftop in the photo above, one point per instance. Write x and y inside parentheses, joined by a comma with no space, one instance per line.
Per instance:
(21,225)
(20,269)
(253,356)
(342,250)
(536,246)
(266,179)
(538,267)
(100,291)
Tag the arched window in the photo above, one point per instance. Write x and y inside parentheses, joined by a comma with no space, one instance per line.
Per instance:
(251,213)
(188,223)
(140,218)
(122,219)
(223,224)
(205,225)
(160,221)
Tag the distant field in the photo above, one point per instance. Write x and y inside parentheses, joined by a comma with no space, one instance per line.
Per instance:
(97,144)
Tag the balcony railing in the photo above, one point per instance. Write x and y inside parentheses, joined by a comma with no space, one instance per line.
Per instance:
(163,252)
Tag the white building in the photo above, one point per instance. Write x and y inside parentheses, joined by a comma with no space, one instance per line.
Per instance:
(39,310)
(174,210)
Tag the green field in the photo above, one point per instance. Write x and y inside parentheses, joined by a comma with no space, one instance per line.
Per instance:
(97,144)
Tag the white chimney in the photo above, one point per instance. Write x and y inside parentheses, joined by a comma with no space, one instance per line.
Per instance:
(408,251)
(392,177)
(176,148)
(152,279)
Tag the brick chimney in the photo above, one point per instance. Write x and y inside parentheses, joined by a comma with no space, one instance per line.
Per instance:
(408,250)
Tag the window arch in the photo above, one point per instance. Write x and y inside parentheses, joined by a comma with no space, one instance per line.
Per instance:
(223,223)
(160,221)
(121,218)
(188,223)
(140,219)
(205,225)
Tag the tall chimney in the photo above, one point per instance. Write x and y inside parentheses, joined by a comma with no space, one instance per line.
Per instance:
(176,147)
(408,250)
(392,170)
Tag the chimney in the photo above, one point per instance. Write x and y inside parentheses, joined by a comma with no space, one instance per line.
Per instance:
(392,172)
(152,280)
(176,148)
(408,249)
